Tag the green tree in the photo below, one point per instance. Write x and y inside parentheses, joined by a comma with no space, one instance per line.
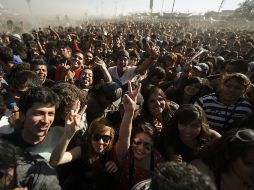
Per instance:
(211,14)
(245,10)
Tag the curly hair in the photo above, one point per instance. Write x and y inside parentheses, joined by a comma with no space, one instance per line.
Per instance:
(180,176)
(239,77)
(69,93)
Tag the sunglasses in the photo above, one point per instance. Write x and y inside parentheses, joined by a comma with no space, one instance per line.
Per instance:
(147,146)
(105,138)
(244,135)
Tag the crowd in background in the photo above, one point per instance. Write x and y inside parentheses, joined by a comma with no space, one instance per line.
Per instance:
(127,105)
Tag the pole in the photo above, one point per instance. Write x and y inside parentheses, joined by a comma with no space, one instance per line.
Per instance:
(29,6)
(173,6)
(221,5)
(151,5)
(162,6)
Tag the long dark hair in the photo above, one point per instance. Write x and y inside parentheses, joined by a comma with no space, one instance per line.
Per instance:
(186,82)
(146,128)
(185,115)
(167,112)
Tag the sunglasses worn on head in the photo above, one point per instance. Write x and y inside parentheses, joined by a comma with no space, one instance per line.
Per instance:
(105,138)
(244,135)
(146,145)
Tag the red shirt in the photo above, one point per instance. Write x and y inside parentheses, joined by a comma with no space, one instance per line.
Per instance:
(77,72)
(121,180)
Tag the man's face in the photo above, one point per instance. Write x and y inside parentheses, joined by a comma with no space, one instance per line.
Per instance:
(88,58)
(42,72)
(18,92)
(78,60)
(86,77)
(122,63)
(229,69)
(117,40)
(66,53)
(232,90)
(38,119)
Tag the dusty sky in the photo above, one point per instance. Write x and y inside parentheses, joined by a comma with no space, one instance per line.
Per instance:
(79,8)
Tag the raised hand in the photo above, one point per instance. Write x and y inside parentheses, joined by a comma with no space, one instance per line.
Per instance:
(99,62)
(177,158)
(111,167)
(133,93)
(72,120)
(129,100)
(70,75)
(66,65)
(14,119)
(154,51)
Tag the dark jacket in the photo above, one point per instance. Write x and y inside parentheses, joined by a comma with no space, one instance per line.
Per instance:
(35,173)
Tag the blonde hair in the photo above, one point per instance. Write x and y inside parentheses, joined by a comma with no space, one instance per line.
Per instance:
(101,125)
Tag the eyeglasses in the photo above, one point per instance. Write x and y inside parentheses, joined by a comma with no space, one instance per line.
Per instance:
(244,135)
(105,138)
(147,146)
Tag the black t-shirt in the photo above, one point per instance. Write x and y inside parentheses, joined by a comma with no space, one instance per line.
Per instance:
(44,148)
(17,140)
(90,176)
(187,153)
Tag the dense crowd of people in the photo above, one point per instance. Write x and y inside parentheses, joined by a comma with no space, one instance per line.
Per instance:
(127,105)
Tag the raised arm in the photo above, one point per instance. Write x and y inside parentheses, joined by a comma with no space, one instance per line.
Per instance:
(123,142)
(101,64)
(41,49)
(72,122)
(154,54)
(54,32)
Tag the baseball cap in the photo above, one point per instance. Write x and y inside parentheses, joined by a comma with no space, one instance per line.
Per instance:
(123,53)
(112,90)
(202,67)
(17,59)
(16,36)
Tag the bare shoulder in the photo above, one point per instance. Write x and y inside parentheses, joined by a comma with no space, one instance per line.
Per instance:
(214,134)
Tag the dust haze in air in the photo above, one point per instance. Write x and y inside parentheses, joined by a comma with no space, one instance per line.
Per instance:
(66,10)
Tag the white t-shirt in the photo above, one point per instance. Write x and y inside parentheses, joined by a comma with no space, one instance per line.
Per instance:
(5,127)
(128,75)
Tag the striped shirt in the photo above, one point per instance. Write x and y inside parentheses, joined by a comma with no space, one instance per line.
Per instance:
(219,115)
